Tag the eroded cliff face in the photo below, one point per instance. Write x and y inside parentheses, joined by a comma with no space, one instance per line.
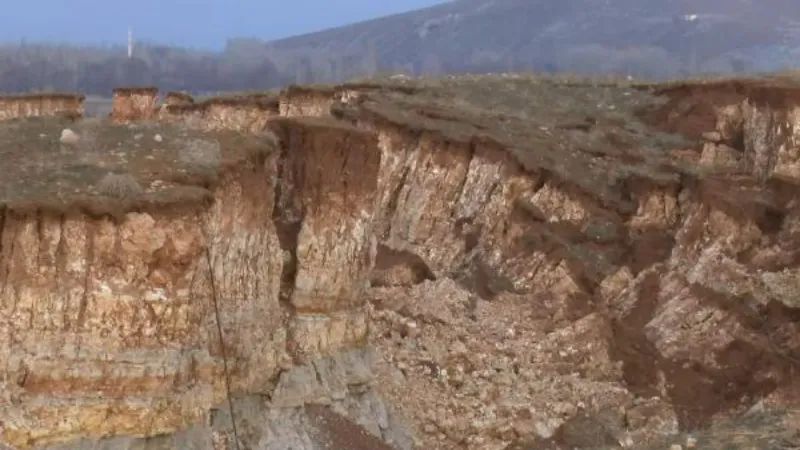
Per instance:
(38,105)
(506,303)
(245,114)
(111,323)
(685,304)
(306,101)
(752,127)
(133,103)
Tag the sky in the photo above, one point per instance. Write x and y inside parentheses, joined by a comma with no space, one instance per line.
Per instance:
(202,24)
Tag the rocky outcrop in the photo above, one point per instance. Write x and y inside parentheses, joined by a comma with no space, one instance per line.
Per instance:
(39,105)
(510,296)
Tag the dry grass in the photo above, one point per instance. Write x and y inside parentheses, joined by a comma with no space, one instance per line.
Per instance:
(119,186)
(115,167)
(201,152)
(584,130)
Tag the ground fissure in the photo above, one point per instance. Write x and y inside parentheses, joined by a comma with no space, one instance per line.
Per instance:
(517,269)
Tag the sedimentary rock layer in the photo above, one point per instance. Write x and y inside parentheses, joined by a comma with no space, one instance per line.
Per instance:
(110,323)
(686,280)
(695,278)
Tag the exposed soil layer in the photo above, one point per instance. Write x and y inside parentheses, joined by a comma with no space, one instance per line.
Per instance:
(538,261)
(649,204)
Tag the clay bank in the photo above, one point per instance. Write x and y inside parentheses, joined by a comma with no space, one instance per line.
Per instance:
(484,263)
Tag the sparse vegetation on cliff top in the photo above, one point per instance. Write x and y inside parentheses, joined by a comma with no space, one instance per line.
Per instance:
(584,130)
(110,168)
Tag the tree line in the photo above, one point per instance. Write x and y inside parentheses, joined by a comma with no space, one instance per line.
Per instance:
(97,70)
(249,64)
(243,65)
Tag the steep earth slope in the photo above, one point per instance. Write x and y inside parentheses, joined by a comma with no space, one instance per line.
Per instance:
(651,37)
(474,262)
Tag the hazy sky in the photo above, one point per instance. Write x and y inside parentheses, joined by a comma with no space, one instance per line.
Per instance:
(194,23)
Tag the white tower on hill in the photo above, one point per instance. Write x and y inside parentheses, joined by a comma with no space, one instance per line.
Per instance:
(130,43)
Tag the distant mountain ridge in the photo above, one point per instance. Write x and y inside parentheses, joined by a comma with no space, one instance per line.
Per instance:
(641,37)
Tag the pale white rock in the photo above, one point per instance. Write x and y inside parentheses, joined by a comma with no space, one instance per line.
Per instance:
(69,137)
